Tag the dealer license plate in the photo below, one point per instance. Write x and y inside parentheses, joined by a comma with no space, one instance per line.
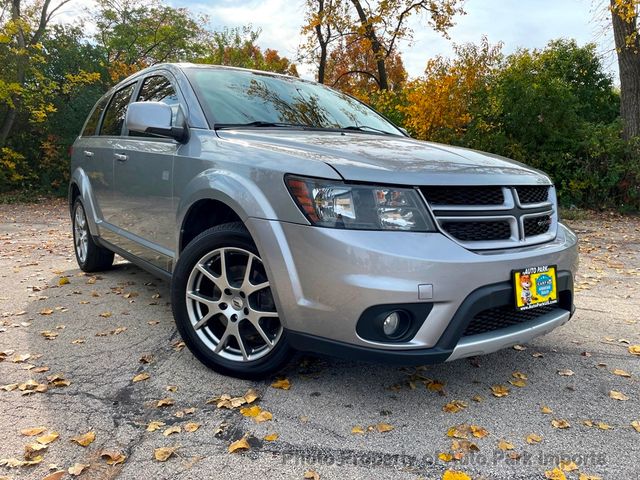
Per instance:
(535,287)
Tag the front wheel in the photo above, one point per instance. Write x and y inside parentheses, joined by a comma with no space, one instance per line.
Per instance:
(223,305)
(90,256)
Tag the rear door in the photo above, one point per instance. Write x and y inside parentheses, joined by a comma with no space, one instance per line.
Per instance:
(143,177)
(101,154)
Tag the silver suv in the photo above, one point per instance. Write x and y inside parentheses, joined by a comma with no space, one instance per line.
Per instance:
(289,216)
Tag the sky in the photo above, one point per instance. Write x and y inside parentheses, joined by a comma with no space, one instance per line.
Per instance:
(515,23)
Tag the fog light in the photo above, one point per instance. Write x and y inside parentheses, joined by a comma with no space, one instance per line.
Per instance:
(391,324)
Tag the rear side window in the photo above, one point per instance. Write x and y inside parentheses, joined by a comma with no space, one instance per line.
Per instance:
(94,118)
(159,89)
(114,116)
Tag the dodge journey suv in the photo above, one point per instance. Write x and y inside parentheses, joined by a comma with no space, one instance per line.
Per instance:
(289,216)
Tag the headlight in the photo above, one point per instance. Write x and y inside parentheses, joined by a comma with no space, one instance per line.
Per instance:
(328,203)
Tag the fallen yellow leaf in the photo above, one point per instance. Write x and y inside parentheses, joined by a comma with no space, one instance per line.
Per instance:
(518,383)
(618,395)
(31,451)
(55,475)
(155,425)
(162,454)
(241,444)
(77,469)
(171,430)
(455,475)
(567,372)
(454,406)
(519,375)
(165,402)
(106,314)
(84,440)
(533,438)
(384,427)
(584,476)
(272,437)
(263,416)
(504,445)
(499,391)
(560,423)
(63,281)
(621,373)
(311,475)
(636,425)
(445,457)
(192,427)
(357,430)
(567,465)
(545,409)
(282,384)
(30,432)
(555,474)
(113,457)
(48,438)
(634,349)
(251,411)
(141,376)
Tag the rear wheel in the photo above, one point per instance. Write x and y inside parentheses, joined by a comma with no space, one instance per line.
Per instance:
(90,256)
(223,305)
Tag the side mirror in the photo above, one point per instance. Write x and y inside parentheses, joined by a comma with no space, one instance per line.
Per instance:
(154,118)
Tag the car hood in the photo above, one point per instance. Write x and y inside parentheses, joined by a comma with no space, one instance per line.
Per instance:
(391,159)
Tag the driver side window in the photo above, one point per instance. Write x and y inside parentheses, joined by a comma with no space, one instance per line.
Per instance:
(159,89)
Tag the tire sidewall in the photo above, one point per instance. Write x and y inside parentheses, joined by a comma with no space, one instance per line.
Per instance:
(211,240)
(78,203)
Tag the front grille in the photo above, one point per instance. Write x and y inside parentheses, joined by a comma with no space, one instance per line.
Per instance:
(537,225)
(533,193)
(478,231)
(463,195)
(505,316)
(494,217)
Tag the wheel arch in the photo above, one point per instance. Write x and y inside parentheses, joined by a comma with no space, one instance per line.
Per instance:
(80,186)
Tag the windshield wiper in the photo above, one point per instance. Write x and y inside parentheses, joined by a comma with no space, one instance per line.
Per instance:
(259,123)
(366,128)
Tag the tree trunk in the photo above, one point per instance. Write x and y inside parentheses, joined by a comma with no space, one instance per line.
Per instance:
(376,46)
(628,49)
(322,67)
(12,111)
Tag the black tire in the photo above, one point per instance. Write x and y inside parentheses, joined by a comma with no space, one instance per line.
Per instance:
(229,235)
(96,258)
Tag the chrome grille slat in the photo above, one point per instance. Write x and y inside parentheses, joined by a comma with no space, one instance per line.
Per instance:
(517,216)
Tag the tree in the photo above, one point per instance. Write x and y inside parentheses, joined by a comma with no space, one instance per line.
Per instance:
(440,105)
(237,47)
(21,81)
(379,25)
(141,33)
(624,17)
(350,66)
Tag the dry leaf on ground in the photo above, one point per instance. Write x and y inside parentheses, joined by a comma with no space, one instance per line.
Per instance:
(162,454)
(241,444)
(283,384)
(618,395)
(84,440)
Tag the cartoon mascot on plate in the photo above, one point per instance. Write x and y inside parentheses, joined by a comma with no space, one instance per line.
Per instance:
(525,294)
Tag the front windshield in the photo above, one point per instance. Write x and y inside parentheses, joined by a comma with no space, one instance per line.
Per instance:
(238,97)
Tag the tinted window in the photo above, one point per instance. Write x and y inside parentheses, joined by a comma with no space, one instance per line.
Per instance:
(241,97)
(114,116)
(92,122)
(159,89)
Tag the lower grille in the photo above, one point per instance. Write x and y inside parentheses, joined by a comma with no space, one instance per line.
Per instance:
(478,230)
(505,316)
(537,225)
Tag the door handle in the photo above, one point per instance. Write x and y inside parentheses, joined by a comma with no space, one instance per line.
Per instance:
(120,157)
(88,153)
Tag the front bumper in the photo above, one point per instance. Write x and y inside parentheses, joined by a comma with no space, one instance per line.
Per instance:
(324,279)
